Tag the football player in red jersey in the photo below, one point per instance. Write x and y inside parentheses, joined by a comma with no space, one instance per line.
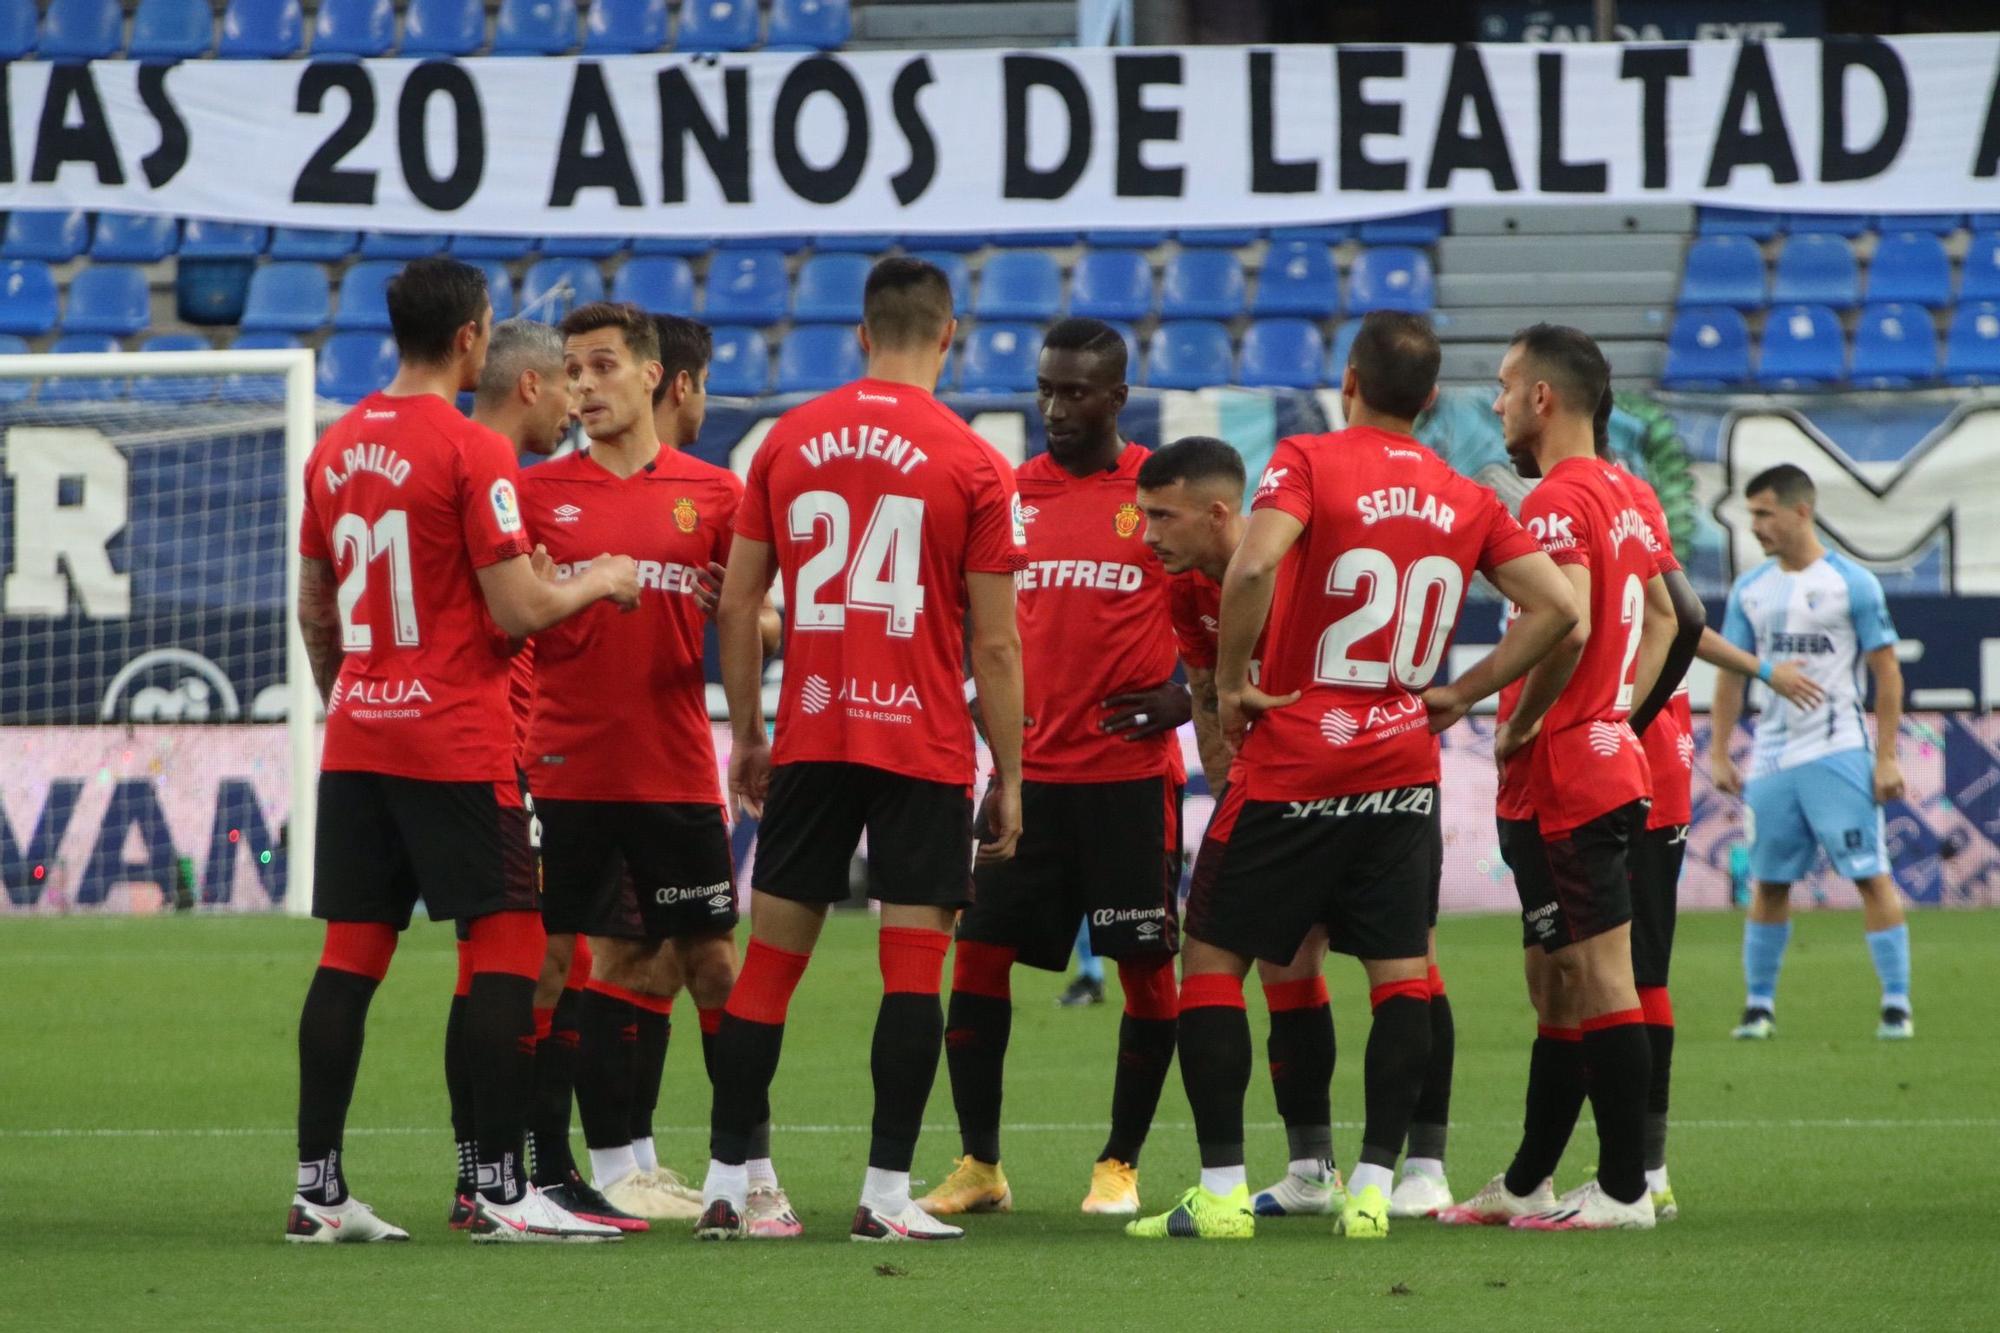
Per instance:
(412,542)
(896,530)
(1102,785)
(1574,787)
(1331,817)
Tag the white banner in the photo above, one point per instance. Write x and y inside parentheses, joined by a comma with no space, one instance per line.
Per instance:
(973,140)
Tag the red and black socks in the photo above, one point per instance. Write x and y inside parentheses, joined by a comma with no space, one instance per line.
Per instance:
(607,1065)
(909,1030)
(1619,1059)
(507,949)
(1146,1034)
(1658,1008)
(978,1023)
(1398,1056)
(1432,1115)
(558,1038)
(1215,1065)
(747,1045)
(1555,1098)
(458,1076)
(332,1024)
(1301,1053)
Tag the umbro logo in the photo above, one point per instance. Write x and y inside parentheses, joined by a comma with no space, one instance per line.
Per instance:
(567,513)
(1028,513)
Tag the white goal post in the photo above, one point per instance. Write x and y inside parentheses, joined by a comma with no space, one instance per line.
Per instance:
(123,432)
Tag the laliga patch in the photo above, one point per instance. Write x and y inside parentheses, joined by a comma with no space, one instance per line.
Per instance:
(506,506)
(1020,517)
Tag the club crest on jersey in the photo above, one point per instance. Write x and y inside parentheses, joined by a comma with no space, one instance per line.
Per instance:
(1126,521)
(506,506)
(686,517)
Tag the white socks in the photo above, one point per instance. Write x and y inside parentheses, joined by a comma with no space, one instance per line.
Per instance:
(726,1182)
(1656,1180)
(612,1164)
(642,1152)
(1223,1180)
(761,1172)
(1312,1168)
(1424,1166)
(884,1191)
(1365,1174)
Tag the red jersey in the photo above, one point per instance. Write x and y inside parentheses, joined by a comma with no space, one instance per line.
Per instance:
(521,698)
(1585,761)
(408,500)
(878,501)
(621,701)
(1092,603)
(1391,538)
(1669,741)
(1194,603)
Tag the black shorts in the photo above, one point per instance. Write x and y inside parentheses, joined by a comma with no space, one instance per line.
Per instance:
(1656,878)
(1103,853)
(382,842)
(919,835)
(1578,886)
(676,853)
(1363,866)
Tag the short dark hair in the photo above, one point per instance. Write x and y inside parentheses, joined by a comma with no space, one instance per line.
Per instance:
(685,344)
(429,302)
(635,324)
(1395,357)
(1788,481)
(1093,336)
(1570,361)
(907,302)
(1193,458)
(1600,423)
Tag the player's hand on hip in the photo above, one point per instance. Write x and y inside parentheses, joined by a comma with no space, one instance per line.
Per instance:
(708,588)
(1000,820)
(1445,707)
(1888,779)
(1144,713)
(1239,708)
(1508,739)
(1723,772)
(1795,687)
(750,775)
(621,579)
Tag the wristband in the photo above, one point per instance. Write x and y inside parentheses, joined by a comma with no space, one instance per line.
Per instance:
(1764,672)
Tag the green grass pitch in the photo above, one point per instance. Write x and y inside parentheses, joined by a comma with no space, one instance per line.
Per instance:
(146,1159)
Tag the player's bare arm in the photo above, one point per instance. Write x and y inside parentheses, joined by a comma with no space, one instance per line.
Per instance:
(1788,679)
(522,603)
(1247,588)
(996,671)
(1725,708)
(319,623)
(1545,680)
(738,616)
(1548,611)
(1888,674)
(1208,740)
(1690,619)
(708,596)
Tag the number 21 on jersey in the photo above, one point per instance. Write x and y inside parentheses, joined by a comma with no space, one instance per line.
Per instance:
(884,575)
(354,539)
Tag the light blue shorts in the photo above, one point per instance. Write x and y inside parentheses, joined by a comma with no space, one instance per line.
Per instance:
(1827,802)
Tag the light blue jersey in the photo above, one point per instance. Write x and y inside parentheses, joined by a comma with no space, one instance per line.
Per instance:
(1830,615)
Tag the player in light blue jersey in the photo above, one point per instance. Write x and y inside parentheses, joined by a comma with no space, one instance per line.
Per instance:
(1815,781)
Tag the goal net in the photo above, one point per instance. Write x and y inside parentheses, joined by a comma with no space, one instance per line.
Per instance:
(156,708)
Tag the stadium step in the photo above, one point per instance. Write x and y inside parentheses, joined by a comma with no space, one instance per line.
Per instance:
(1529,290)
(1480,362)
(1560,254)
(919,23)
(1571,219)
(1599,321)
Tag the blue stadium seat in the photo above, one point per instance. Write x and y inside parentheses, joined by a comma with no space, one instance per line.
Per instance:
(443,27)
(262,30)
(717,25)
(1757,224)
(17,39)
(212,291)
(174,388)
(1126,238)
(1803,348)
(1390,277)
(168,30)
(672,245)
(27,297)
(1112,284)
(660,284)
(81,30)
(786,245)
(1281,353)
(1935,224)
(499,287)
(354,365)
(1826,224)
(1320,233)
(364,302)
(14,389)
(1409,229)
(747,287)
(134,238)
(1131,338)
(740,364)
(257,388)
(633,26)
(1723,270)
(1188,354)
(1817,268)
(872,244)
(1019,284)
(1337,350)
(289,297)
(1298,278)
(999,358)
(956,242)
(109,298)
(354,28)
(323,247)
(1910,266)
(1218,238)
(817,357)
(535,28)
(957,272)
(1708,348)
(1202,284)
(828,291)
(1983,221)
(1979,275)
(202,239)
(70,389)
(1895,344)
(541,289)
(402,245)
(584,247)
(1972,347)
(492,247)
(54,238)
(809,25)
